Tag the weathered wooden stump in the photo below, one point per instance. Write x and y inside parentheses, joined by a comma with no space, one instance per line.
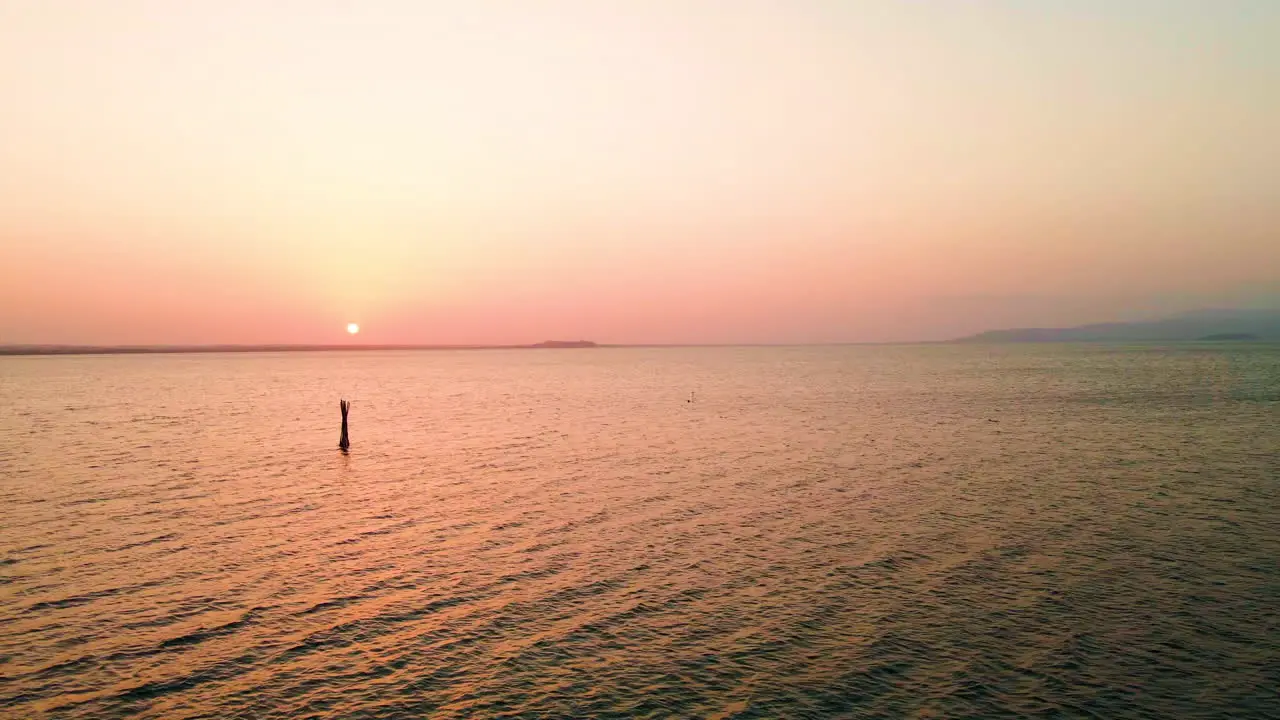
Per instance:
(344,442)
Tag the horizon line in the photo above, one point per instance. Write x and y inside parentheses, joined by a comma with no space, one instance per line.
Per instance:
(45,349)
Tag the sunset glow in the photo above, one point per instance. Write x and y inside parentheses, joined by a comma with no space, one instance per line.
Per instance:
(639,358)
(636,171)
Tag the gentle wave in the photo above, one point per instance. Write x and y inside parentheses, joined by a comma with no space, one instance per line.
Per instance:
(825,532)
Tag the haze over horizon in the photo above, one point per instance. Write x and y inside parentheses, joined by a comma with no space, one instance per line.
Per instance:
(499,172)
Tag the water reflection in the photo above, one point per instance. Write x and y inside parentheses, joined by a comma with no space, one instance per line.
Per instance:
(824,532)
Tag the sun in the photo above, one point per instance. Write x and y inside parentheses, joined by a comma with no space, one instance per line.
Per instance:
(353,328)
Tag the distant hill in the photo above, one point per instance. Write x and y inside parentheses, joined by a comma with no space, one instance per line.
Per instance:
(1230,337)
(1218,325)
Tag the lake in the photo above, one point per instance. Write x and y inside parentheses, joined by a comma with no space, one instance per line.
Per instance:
(864,531)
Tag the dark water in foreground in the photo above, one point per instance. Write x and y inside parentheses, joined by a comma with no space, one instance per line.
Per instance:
(827,532)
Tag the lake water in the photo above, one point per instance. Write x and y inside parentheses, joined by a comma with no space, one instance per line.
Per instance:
(915,531)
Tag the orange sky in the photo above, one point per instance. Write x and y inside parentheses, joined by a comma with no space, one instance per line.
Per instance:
(489,171)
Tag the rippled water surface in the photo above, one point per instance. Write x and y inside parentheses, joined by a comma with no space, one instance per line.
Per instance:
(928,531)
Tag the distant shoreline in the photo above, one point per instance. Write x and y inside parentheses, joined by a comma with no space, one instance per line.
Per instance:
(33,350)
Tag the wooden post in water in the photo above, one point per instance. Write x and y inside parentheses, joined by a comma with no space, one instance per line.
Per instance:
(344,442)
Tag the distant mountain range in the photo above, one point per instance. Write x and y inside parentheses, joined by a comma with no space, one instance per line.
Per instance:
(1206,325)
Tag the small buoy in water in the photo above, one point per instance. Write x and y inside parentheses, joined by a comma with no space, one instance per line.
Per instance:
(690,398)
(344,442)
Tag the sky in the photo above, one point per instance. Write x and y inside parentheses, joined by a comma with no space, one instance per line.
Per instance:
(630,171)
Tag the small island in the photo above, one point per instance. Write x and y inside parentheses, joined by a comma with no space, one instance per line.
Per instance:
(562,344)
